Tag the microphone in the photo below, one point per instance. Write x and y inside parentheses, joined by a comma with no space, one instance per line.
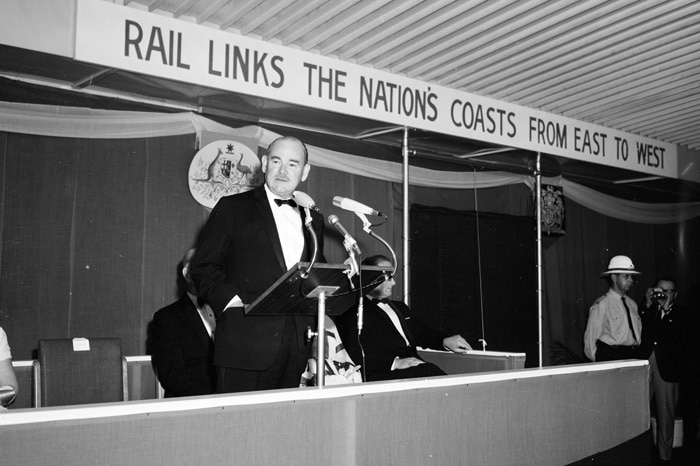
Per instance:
(350,242)
(354,206)
(304,200)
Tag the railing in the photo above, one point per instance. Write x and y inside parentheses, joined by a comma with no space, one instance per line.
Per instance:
(143,383)
(557,415)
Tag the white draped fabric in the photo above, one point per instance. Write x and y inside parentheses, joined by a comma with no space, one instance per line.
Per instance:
(74,122)
(390,171)
(630,211)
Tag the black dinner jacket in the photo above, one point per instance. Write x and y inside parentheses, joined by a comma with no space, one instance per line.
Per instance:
(239,253)
(182,351)
(669,339)
(380,339)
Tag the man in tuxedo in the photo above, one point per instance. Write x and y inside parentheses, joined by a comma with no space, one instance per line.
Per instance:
(665,340)
(182,348)
(390,334)
(249,241)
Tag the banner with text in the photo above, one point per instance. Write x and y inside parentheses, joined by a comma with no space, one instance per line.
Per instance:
(126,38)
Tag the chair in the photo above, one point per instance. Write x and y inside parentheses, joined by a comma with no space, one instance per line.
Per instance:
(79,371)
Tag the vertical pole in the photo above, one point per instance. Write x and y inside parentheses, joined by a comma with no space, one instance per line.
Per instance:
(406,222)
(321,341)
(538,201)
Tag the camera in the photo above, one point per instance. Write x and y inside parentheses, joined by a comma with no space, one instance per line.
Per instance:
(658,295)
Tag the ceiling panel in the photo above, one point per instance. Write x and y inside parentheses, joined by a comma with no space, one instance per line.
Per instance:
(626,64)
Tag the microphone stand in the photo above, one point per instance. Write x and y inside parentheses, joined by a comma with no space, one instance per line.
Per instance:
(321,309)
(366,226)
(307,223)
(353,252)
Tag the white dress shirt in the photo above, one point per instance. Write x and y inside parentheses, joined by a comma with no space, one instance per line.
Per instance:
(289,228)
(206,314)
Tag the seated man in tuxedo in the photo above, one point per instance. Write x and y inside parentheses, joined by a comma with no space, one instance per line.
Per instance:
(183,346)
(390,335)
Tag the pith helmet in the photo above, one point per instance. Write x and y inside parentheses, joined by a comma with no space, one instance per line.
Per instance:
(621,264)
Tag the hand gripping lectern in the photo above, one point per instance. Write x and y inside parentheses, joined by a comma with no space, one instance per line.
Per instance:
(324,289)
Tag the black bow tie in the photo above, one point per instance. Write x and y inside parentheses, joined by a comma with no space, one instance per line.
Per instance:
(290,202)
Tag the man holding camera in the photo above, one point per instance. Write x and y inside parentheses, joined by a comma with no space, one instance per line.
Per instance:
(664,339)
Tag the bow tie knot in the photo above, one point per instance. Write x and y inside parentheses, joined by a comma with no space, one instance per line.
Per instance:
(289,202)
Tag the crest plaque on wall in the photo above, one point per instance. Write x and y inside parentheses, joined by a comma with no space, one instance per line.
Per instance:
(552,204)
(221,168)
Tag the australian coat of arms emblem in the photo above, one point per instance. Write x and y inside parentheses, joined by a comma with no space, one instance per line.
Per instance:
(221,168)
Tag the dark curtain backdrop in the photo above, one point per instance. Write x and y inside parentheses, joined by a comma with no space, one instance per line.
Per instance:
(472,274)
(572,263)
(92,232)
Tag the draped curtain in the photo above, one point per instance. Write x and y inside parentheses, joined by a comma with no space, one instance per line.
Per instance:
(103,124)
